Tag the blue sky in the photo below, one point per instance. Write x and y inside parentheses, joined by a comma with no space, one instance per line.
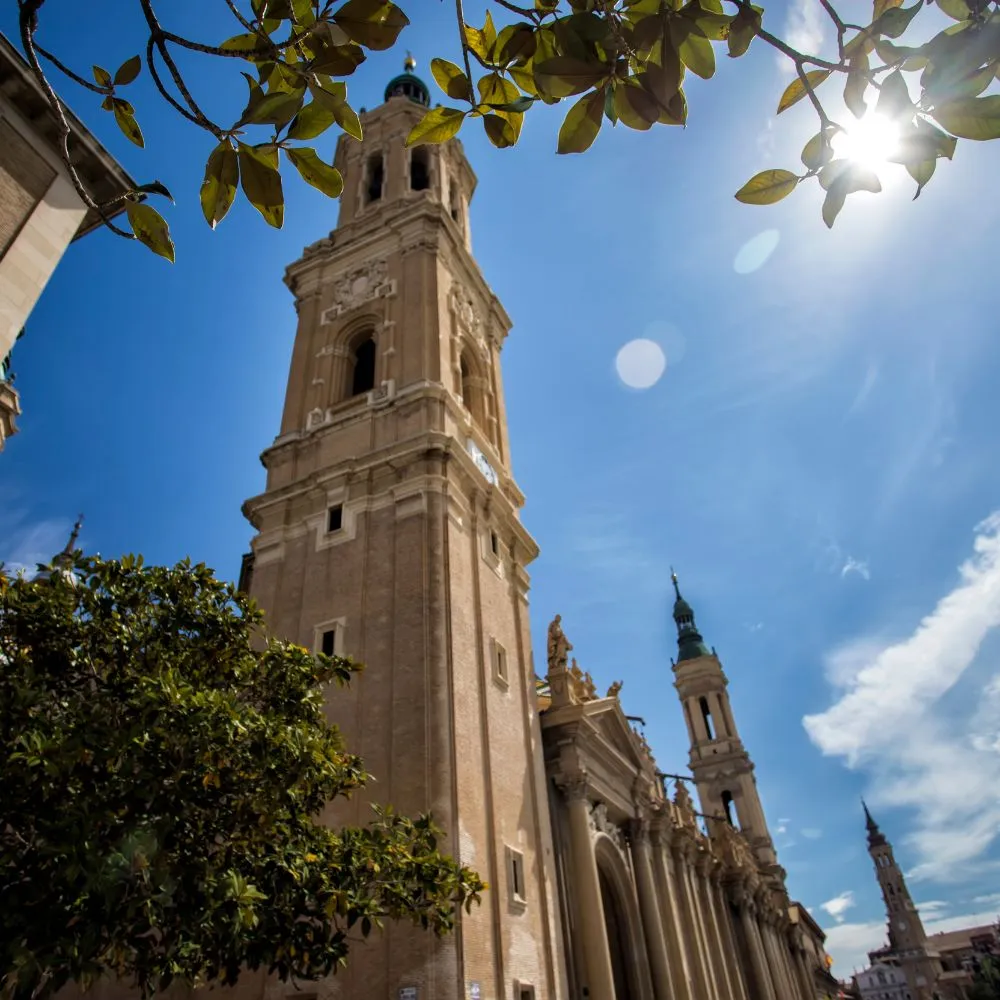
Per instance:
(816,460)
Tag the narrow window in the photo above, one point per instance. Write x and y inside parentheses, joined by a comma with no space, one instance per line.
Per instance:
(499,664)
(420,173)
(524,992)
(327,645)
(335,518)
(363,379)
(466,384)
(376,176)
(515,873)
(495,544)
(727,804)
(707,716)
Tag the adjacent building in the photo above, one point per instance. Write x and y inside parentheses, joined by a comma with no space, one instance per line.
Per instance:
(40,210)
(390,529)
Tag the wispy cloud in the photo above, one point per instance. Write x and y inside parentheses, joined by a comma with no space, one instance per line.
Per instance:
(811,833)
(849,943)
(804,30)
(887,719)
(859,566)
(25,543)
(864,390)
(839,905)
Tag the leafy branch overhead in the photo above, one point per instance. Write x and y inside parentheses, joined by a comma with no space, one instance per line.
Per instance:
(164,767)
(614,61)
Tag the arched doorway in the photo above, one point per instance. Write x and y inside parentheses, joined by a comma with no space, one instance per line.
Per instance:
(615,928)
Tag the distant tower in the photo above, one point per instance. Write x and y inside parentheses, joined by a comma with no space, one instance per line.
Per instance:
(390,530)
(722,769)
(907,937)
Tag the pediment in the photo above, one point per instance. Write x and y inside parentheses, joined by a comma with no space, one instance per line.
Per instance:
(612,728)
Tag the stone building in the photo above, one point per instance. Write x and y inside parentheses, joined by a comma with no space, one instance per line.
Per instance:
(40,210)
(390,529)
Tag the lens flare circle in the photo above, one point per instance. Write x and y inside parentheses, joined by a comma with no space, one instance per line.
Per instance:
(640,363)
(754,254)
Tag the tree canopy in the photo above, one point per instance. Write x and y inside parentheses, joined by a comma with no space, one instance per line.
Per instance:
(620,61)
(164,764)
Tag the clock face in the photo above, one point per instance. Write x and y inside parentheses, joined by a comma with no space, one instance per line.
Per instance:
(489,474)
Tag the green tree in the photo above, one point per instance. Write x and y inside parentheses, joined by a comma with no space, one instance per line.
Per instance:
(986,974)
(163,765)
(620,61)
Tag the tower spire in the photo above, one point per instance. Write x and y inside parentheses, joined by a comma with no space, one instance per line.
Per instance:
(875,836)
(690,644)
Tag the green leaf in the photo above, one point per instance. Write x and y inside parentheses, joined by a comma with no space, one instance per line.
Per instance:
(564,76)
(376,24)
(635,106)
(894,97)
(971,117)
(481,41)
(582,123)
(743,30)
(767,187)
(344,115)
(499,131)
(313,120)
(261,182)
(127,123)
(515,43)
(881,6)
(314,171)
(278,109)
(957,10)
(832,204)
(921,172)
(437,125)
(846,179)
(896,20)
(150,228)
(102,76)
(128,71)
(247,42)
(218,189)
(693,47)
(796,90)
(816,153)
(857,85)
(451,79)
(155,188)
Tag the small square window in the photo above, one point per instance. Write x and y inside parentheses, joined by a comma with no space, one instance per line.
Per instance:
(335,518)
(328,642)
(515,875)
(499,664)
(524,991)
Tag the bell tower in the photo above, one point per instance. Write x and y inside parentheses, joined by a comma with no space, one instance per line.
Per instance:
(390,530)
(722,768)
(907,937)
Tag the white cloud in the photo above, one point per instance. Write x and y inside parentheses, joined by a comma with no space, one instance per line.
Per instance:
(859,566)
(849,944)
(811,833)
(992,897)
(839,905)
(805,30)
(887,720)
(26,544)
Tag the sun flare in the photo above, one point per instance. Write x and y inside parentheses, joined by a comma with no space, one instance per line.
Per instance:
(869,142)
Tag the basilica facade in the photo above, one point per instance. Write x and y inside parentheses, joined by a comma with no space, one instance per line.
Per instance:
(390,530)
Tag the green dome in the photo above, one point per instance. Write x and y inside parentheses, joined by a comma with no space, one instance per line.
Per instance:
(690,644)
(409,85)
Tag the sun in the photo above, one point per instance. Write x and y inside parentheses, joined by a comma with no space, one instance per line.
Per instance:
(869,141)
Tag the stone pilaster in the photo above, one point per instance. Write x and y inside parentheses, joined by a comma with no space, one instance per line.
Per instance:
(655,941)
(737,977)
(692,940)
(762,978)
(670,911)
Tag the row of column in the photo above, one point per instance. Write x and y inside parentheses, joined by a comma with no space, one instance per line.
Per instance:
(690,938)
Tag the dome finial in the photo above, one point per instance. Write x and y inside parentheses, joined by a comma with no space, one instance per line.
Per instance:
(409,64)
(673,580)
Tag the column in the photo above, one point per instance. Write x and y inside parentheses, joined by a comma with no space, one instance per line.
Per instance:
(781,985)
(698,877)
(655,943)
(805,974)
(736,977)
(719,947)
(670,914)
(692,944)
(590,910)
(788,959)
(765,990)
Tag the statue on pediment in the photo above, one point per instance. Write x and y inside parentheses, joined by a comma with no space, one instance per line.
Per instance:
(558,645)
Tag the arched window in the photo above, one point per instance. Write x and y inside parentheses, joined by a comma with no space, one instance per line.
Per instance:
(472,387)
(727,804)
(467,390)
(363,372)
(706,714)
(420,169)
(375,177)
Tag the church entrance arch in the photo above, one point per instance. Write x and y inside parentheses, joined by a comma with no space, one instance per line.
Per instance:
(621,923)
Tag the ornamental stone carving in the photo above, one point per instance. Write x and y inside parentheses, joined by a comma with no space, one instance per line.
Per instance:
(363,284)
(600,823)
(461,303)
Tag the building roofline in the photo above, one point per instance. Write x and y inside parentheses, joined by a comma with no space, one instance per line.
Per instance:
(102,173)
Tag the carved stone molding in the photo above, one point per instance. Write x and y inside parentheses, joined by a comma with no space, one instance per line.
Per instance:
(575,786)
(600,823)
(466,312)
(359,286)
